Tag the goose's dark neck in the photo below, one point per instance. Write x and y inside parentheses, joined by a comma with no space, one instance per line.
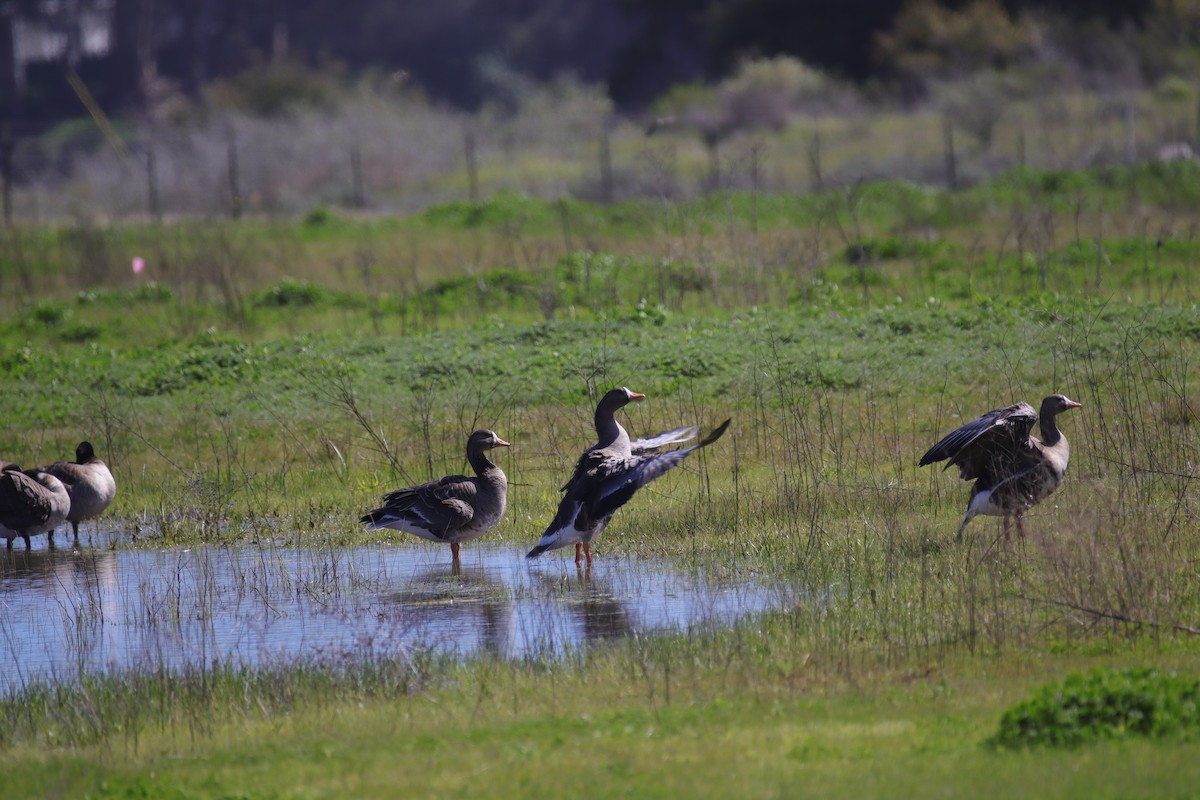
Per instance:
(608,430)
(479,461)
(1051,435)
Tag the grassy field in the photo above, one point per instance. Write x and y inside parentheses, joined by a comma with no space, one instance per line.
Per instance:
(746,712)
(270,378)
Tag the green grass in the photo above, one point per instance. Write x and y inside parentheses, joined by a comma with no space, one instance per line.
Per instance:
(252,388)
(642,719)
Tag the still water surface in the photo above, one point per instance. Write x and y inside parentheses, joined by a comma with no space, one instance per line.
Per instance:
(94,609)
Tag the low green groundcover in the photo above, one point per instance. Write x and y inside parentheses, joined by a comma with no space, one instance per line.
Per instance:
(1104,704)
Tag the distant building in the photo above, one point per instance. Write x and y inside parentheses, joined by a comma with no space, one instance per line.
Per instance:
(66,32)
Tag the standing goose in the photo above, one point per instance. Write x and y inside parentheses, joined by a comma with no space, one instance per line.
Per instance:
(89,483)
(1013,471)
(31,502)
(453,509)
(609,473)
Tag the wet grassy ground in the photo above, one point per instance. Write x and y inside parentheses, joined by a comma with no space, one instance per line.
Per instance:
(843,338)
(765,724)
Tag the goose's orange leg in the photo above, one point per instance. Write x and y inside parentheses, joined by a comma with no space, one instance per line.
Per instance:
(579,554)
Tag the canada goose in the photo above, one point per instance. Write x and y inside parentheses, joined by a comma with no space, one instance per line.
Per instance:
(608,474)
(89,483)
(453,509)
(1013,471)
(31,502)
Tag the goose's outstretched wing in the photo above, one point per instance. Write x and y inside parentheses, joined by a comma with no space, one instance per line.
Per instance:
(994,445)
(675,436)
(601,484)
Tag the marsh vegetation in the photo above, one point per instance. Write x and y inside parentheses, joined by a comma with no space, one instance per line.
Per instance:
(266,381)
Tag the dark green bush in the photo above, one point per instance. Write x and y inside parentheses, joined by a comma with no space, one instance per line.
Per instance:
(502,208)
(48,312)
(291,292)
(318,217)
(1104,704)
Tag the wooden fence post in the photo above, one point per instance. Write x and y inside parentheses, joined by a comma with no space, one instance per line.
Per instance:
(358,196)
(606,173)
(152,185)
(815,179)
(6,176)
(951,158)
(1130,138)
(472,167)
(235,191)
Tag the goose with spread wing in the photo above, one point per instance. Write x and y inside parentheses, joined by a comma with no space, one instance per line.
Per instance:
(453,509)
(31,502)
(1012,469)
(609,473)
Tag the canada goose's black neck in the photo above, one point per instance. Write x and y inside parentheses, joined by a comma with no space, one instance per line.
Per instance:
(479,460)
(607,428)
(1048,421)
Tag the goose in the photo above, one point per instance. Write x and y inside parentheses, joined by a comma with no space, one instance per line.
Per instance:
(89,483)
(1013,470)
(453,509)
(31,502)
(609,473)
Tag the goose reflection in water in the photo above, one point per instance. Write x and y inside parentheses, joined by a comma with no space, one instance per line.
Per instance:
(458,603)
(594,607)
(55,570)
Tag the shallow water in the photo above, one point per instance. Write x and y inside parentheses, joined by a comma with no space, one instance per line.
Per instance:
(65,612)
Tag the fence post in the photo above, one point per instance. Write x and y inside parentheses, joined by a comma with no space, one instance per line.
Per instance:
(152,185)
(472,166)
(755,169)
(606,173)
(6,176)
(951,159)
(1196,139)
(1130,140)
(235,191)
(816,180)
(358,197)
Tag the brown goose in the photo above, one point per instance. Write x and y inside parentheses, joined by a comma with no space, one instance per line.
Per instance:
(453,509)
(608,474)
(89,483)
(31,502)
(1013,471)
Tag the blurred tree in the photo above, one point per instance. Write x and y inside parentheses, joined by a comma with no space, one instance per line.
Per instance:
(929,41)
(1170,39)
(8,62)
(132,54)
(457,49)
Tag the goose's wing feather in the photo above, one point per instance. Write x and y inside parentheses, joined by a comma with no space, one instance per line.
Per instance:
(674,436)
(437,506)
(24,503)
(610,482)
(995,442)
(602,482)
(65,471)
